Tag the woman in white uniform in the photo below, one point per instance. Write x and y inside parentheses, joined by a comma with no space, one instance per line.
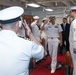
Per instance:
(44,35)
(36,33)
(35,29)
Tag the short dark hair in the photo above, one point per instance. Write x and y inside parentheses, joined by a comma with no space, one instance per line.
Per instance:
(73,10)
(65,18)
(43,21)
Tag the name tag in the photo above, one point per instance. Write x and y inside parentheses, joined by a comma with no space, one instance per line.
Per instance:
(49,26)
(56,26)
(74,34)
(74,29)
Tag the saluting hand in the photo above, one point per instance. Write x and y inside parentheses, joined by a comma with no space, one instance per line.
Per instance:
(29,33)
(28,30)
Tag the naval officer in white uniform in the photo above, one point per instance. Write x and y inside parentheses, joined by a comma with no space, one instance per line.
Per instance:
(44,35)
(72,38)
(15,52)
(36,33)
(53,34)
(35,29)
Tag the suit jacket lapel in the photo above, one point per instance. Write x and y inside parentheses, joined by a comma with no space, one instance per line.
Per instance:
(62,27)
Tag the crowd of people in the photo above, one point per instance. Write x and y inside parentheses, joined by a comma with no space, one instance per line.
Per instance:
(16,52)
(52,34)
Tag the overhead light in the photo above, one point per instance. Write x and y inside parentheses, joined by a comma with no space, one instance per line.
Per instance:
(48,9)
(33,5)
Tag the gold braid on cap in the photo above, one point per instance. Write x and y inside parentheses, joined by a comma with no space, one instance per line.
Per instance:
(52,17)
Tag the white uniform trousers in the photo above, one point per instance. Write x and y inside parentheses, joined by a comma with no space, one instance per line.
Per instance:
(43,35)
(73,58)
(53,47)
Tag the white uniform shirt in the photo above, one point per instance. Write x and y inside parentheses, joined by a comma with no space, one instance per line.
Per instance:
(72,37)
(72,40)
(53,30)
(44,33)
(15,53)
(35,31)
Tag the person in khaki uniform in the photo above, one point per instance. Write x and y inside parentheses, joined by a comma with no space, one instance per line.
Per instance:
(53,34)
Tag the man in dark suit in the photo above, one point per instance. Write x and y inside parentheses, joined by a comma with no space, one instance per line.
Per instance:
(65,34)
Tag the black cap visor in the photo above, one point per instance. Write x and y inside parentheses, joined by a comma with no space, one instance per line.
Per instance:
(10,21)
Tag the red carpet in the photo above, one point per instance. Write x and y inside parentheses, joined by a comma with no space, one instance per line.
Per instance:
(42,70)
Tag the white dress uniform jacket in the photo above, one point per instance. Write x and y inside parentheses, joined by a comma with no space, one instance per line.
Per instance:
(35,31)
(53,41)
(53,30)
(44,33)
(72,40)
(15,53)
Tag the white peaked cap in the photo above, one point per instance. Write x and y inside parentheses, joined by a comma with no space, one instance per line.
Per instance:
(11,13)
(44,19)
(73,8)
(35,17)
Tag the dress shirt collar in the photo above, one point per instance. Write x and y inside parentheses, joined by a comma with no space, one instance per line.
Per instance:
(64,23)
(7,33)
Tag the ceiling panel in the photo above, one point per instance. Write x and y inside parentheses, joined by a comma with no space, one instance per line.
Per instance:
(56,5)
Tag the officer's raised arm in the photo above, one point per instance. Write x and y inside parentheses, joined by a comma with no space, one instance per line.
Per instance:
(37,50)
(43,26)
(29,33)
